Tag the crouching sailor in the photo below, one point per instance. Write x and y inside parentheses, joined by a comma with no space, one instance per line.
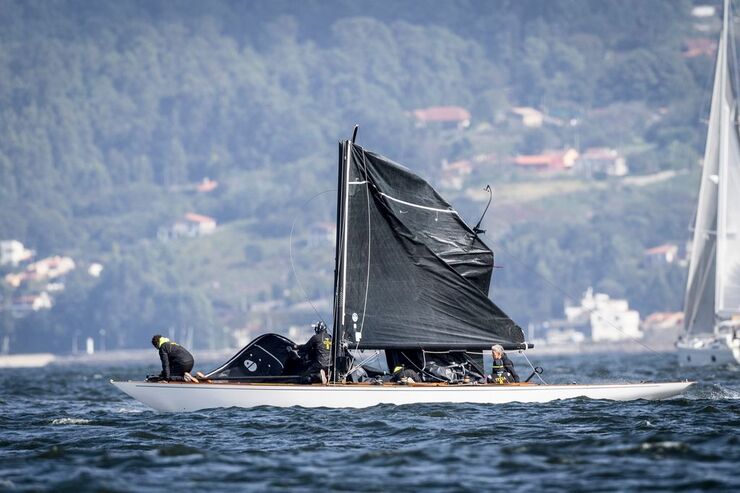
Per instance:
(317,355)
(177,362)
(503,369)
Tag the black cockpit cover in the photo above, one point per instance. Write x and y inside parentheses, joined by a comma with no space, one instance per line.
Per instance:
(265,356)
(414,269)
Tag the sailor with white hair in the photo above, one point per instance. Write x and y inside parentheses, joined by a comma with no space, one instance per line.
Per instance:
(503,369)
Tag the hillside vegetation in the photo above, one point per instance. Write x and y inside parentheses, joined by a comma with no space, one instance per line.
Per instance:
(111,111)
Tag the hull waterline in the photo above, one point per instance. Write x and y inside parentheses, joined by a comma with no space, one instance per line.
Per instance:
(175,397)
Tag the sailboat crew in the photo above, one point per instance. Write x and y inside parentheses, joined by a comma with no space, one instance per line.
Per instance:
(317,355)
(177,361)
(503,369)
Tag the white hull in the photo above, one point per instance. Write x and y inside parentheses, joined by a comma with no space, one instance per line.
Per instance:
(710,350)
(193,397)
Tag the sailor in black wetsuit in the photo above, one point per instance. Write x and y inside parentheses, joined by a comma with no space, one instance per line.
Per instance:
(503,369)
(177,362)
(317,355)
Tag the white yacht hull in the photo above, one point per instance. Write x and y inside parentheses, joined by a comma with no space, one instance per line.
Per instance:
(194,397)
(710,350)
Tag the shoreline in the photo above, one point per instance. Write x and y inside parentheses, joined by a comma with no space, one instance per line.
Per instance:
(123,356)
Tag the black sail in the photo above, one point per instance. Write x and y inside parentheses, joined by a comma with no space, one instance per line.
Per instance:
(412,273)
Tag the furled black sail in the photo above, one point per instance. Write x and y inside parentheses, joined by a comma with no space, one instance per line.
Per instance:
(266,359)
(411,273)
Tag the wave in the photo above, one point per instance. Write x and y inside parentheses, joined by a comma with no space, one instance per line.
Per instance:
(70,421)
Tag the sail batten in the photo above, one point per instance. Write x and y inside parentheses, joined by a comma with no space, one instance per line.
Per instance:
(417,276)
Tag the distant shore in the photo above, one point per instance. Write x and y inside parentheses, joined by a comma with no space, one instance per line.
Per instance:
(628,346)
(37,360)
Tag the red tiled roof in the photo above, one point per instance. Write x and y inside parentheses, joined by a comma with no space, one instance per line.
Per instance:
(699,46)
(197,218)
(552,158)
(534,160)
(207,185)
(462,165)
(661,249)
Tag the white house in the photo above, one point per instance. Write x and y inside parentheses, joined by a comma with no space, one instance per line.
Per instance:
(530,117)
(31,303)
(191,225)
(610,319)
(601,161)
(13,252)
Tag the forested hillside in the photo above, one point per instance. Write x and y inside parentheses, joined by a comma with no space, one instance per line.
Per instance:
(111,113)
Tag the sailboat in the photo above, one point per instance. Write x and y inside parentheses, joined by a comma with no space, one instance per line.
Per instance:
(411,280)
(712,299)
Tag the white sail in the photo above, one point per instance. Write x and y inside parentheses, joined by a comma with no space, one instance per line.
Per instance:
(699,303)
(727,299)
(728,228)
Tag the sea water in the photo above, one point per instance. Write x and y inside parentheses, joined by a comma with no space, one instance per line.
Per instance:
(68,429)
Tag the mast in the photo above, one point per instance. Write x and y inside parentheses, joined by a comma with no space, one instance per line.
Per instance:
(340,259)
(339,252)
(723,155)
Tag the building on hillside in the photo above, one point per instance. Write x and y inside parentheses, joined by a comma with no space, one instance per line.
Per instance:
(661,254)
(547,161)
(703,11)
(597,318)
(22,305)
(12,252)
(51,267)
(663,328)
(660,321)
(454,174)
(564,336)
(95,269)
(529,117)
(486,159)
(601,162)
(557,333)
(445,116)
(207,185)
(696,47)
(609,319)
(191,225)
(47,268)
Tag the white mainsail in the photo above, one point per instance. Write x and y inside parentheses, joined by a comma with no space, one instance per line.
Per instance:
(713,284)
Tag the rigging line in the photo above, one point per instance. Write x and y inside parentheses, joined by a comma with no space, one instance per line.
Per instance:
(523,353)
(421,370)
(362,363)
(568,295)
(290,250)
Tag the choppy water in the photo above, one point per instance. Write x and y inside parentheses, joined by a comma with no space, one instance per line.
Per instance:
(68,429)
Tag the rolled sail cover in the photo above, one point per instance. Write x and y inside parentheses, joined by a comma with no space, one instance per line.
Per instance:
(416,275)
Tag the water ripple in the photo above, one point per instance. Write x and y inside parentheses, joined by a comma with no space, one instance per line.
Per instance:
(67,429)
